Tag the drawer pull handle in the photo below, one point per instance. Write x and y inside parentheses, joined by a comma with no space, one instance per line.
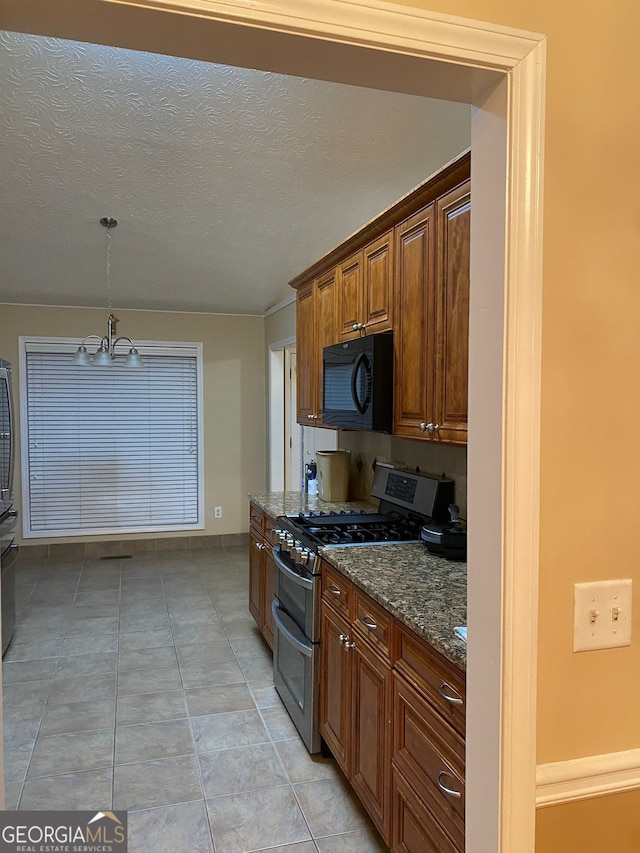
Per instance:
(335,591)
(449,791)
(368,622)
(442,690)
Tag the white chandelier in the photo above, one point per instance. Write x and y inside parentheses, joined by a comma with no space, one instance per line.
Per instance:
(106,353)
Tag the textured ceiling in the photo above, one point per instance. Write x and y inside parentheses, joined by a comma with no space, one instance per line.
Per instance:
(225,182)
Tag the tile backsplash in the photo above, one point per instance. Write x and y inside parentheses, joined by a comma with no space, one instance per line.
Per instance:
(367,447)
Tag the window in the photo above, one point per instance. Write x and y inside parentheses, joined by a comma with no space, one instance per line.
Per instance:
(109,449)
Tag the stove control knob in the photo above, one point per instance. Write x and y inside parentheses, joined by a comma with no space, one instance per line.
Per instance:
(304,556)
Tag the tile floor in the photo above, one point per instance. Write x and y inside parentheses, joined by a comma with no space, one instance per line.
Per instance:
(143,684)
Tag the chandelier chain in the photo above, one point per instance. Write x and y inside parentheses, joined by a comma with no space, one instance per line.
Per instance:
(109,270)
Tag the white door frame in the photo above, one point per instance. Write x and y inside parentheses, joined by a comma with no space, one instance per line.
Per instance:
(501,72)
(283,457)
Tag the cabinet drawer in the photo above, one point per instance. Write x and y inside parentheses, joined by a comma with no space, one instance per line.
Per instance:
(430,754)
(373,622)
(337,591)
(441,683)
(415,829)
(256,517)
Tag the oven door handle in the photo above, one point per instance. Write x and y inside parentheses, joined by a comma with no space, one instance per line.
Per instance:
(10,556)
(295,577)
(303,648)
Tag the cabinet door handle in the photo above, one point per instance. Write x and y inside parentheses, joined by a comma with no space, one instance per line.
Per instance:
(448,791)
(349,645)
(335,591)
(343,638)
(368,622)
(442,690)
(428,428)
(259,546)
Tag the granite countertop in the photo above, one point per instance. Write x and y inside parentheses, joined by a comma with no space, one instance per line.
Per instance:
(426,593)
(291,503)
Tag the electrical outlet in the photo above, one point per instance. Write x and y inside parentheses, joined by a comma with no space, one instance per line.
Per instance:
(601,615)
(217,512)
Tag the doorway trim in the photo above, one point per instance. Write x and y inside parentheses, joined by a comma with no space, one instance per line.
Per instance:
(501,72)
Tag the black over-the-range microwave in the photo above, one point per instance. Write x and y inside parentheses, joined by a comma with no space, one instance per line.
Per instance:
(358,383)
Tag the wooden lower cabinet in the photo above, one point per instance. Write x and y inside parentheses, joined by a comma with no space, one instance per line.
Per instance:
(392,713)
(370,734)
(335,687)
(430,755)
(261,571)
(355,714)
(415,830)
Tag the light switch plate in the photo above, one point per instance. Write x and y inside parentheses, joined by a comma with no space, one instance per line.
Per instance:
(602,615)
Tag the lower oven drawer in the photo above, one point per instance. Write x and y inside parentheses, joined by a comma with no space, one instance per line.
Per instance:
(296,675)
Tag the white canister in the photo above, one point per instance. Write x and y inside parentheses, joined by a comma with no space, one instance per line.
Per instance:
(333,474)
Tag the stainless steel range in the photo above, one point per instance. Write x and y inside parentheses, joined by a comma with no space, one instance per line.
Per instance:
(407,501)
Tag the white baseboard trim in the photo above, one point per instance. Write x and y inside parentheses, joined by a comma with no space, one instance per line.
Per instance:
(583,778)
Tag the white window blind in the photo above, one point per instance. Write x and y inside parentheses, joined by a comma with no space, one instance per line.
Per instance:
(111,449)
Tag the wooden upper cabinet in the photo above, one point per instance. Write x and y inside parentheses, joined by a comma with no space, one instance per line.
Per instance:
(378,284)
(407,270)
(350,296)
(306,353)
(366,290)
(414,327)
(315,329)
(453,218)
(326,333)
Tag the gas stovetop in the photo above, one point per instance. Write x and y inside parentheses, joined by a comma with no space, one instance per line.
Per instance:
(355,527)
(407,500)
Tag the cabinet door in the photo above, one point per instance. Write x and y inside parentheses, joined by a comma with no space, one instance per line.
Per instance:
(335,687)
(371,725)
(414,320)
(256,578)
(350,311)
(326,330)
(453,219)
(377,290)
(306,354)
(269,591)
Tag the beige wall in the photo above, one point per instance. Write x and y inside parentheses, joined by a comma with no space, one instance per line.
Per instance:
(590,464)
(234,391)
(604,825)
(281,325)
(588,703)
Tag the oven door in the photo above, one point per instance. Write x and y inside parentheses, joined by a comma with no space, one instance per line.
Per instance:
(298,595)
(296,675)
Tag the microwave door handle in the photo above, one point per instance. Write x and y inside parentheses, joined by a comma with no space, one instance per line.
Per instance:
(360,406)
